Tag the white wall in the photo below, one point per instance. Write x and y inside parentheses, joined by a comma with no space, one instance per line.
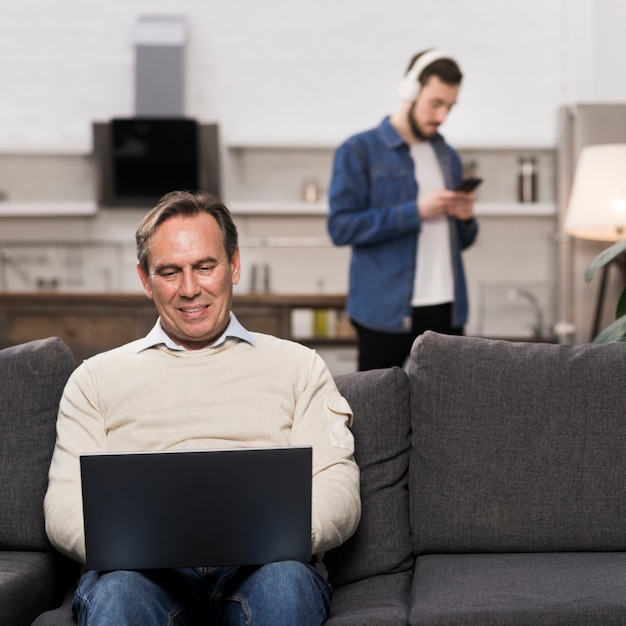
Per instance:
(296,70)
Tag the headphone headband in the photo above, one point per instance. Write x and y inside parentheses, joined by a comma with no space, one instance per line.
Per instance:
(410,85)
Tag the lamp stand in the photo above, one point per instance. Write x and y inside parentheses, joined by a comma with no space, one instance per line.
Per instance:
(620,262)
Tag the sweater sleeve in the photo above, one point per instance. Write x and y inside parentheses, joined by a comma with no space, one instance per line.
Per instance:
(79,430)
(322,420)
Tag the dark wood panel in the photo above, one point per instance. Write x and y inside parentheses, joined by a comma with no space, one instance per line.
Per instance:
(93,322)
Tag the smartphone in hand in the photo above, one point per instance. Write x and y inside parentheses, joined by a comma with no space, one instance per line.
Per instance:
(468,184)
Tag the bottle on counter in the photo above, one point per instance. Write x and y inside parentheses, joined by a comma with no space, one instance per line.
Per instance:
(320,316)
(527,180)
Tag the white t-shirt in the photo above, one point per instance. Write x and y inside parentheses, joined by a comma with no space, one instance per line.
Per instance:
(434,277)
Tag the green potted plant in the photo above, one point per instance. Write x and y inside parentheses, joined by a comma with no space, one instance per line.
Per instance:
(615,332)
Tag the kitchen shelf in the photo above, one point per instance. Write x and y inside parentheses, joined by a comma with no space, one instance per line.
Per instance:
(47,209)
(270,207)
(300,145)
(515,209)
(263,208)
(294,209)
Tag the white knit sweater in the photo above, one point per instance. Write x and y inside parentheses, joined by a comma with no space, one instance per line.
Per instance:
(234,395)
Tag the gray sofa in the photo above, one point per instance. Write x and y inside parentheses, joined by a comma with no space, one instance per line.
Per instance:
(493,487)
(32,377)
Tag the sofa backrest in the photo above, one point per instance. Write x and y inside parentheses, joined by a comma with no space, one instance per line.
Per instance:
(32,377)
(517,447)
(381,428)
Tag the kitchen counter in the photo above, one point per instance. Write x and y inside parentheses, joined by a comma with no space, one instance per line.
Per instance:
(93,322)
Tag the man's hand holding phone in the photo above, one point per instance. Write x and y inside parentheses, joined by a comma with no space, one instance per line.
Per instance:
(468,184)
(462,205)
(458,202)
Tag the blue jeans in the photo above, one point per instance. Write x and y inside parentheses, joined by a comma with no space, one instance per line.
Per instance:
(284,593)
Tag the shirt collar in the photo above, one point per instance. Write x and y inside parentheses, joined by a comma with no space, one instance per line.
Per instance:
(392,137)
(158,336)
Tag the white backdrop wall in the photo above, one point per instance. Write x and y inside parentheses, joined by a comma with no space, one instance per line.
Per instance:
(296,72)
(289,71)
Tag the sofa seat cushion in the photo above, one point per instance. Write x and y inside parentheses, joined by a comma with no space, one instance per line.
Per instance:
(551,589)
(518,447)
(382,438)
(381,600)
(31,382)
(29,584)
(61,616)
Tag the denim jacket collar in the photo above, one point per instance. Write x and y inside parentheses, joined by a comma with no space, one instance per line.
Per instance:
(391,137)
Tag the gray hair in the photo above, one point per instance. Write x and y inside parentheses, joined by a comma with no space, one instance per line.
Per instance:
(186,204)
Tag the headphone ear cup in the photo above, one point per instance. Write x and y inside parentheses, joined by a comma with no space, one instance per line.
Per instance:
(410,85)
(408,89)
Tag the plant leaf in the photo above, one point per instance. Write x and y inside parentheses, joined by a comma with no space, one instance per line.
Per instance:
(615,332)
(604,258)
(621,305)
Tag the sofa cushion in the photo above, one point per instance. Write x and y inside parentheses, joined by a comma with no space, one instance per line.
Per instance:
(31,382)
(518,446)
(62,615)
(28,585)
(551,589)
(381,600)
(381,428)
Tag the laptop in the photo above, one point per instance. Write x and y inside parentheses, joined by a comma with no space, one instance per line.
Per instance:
(197,508)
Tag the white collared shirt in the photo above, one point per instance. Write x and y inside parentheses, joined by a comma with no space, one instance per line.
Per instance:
(158,336)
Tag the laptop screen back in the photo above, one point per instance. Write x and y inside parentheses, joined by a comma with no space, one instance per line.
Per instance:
(197,508)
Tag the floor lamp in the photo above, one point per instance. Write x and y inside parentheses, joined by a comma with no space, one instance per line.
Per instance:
(597,206)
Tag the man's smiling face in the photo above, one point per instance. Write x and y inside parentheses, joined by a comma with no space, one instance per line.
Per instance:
(191,279)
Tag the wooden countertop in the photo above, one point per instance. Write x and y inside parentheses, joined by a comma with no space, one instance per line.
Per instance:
(93,322)
(60,298)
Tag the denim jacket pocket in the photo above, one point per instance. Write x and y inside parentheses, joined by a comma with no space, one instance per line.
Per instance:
(392,183)
(388,171)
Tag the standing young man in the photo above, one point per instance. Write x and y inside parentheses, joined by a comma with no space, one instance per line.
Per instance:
(392,200)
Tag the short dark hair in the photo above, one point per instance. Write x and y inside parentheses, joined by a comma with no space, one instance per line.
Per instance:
(186,204)
(447,70)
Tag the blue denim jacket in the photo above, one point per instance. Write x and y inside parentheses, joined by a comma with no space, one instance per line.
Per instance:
(373,208)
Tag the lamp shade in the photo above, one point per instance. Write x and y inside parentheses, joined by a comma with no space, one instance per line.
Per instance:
(597,203)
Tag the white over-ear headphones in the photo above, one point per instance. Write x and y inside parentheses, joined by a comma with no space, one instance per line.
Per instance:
(410,85)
